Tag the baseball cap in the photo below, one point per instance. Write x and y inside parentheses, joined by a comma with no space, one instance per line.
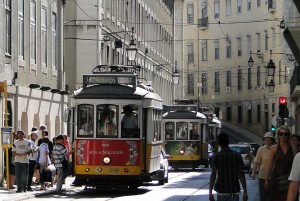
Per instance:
(269,134)
(43,126)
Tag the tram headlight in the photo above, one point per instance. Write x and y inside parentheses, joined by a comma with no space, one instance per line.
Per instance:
(181,151)
(126,170)
(87,169)
(106,160)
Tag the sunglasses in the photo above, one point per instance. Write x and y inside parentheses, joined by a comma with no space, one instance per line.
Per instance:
(283,134)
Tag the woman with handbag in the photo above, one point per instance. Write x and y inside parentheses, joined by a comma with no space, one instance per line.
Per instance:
(279,166)
(60,161)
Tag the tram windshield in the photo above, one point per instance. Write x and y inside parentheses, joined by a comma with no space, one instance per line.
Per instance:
(86,120)
(184,131)
(107,118)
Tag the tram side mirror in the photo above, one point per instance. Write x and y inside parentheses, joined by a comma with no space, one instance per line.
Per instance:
(166,156)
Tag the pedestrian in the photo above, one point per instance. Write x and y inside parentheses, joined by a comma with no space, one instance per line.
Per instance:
(45,133)
(295,140)
(33,156)
(294,178)
(21,149)
(59,154)
(280,165)
(227,173)
(260,163)
(44,162)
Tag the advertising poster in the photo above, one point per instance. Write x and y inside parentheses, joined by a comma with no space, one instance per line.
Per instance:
(190,148)
(91,152)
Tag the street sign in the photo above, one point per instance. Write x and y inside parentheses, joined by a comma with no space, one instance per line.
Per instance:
(275,120)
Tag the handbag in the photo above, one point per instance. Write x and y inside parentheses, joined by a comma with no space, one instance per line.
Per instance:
(282,183)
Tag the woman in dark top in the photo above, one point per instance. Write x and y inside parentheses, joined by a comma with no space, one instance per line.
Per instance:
(280,165)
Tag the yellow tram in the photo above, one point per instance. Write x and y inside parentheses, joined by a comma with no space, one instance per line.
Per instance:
(117,134)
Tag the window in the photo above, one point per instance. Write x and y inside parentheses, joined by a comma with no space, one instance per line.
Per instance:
(239,6)
(170,130)
(266,41)
(249,79)
(217,9)
(249,5)
(258,41)
(44,35)
(54,42)
(228,7)
(273,38)
(21,28)
(204,50)
(249,44)
(258,3)
(240,80)
(228,79)
(190,13)
(258,114)
(204,83)
(239,46)
(193,132)
(33,32)
(258,76)
(228,113)
(240,114)
(190,53)
(181,130)
(8,27)
(107,121)
(85,119)
(217,50)
(228,48)
(249,116)
(191,84)
(217,82)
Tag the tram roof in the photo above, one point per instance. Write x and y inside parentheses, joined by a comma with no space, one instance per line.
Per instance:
(215,122)
(183,115)
(115,92)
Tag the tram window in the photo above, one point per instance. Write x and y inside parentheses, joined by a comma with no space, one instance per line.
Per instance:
(129,123)
(107,121)
(194,135)
(169,130)
(85,120)
(182,130)
(157,125)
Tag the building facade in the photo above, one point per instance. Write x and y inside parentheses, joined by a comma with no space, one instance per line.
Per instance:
(218,39)
(100,34)
(31,64)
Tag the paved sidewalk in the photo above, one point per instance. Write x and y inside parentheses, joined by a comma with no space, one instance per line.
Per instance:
(11,195)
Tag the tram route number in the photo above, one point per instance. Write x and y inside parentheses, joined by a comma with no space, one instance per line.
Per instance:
(111,80)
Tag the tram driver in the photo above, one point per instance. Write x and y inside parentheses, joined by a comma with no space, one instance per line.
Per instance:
(129,124)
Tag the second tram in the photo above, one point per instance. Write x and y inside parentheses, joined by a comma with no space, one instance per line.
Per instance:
(117,129)
(185,132)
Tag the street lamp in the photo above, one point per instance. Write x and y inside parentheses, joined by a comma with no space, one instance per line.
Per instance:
(250,61)
(176,76)
(132,50)
(271,68)
(271,86)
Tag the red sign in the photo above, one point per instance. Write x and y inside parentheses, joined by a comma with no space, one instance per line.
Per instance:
(92,152)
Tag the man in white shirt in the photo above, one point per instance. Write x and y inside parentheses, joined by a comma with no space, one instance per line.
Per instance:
(20,150)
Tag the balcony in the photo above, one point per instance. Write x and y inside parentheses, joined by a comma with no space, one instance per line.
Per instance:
(203,23)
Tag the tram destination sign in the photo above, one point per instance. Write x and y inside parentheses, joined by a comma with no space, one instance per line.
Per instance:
(129,79)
